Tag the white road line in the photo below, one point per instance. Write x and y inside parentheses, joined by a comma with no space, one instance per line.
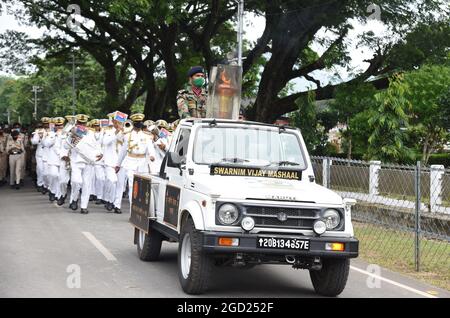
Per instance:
(393,283)
(99,246)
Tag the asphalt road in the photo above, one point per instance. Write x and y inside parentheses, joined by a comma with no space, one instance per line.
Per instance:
(42,247)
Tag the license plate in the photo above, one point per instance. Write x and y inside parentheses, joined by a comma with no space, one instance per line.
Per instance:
(283,243)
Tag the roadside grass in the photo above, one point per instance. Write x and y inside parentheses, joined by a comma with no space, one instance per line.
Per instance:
(395,250)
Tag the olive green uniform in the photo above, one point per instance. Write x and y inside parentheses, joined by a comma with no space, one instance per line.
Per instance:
(191,105)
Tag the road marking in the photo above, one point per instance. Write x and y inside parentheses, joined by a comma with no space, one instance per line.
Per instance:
(99,246)
(393,283)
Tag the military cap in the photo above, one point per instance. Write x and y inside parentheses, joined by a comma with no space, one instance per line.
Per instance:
(45,120)
(194,70)
(95,122)
(148,122)
(111,115)
(82,118)
(137,117)
(161,123)
(69,117)
(58,120)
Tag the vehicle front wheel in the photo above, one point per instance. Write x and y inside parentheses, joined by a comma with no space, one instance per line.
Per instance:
(149,245)
(332,278)
(194,266)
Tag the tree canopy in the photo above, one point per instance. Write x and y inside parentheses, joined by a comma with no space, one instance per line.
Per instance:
(146,46)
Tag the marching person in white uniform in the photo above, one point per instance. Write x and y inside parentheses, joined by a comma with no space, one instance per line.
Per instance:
(37,138)
(110,158)
(137,152)
(53,146)
(99,166)
(64,164)
(83,168)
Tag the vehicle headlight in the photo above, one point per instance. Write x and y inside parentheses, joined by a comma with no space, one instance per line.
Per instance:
(228,213)
(248,223)
(332,219)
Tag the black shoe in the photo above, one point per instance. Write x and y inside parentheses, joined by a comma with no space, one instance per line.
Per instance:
(84,211)
(17,186)
(39,189)
(13,186)
(109,206)
(74,205)
(44,190)
(92,198)
(61,201)
(117,211)
(51,197)
(98,202)
(21,182)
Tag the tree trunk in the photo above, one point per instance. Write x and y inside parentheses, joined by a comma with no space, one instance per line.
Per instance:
(112,98)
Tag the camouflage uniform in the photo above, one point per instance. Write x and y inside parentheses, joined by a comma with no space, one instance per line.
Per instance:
(191,105)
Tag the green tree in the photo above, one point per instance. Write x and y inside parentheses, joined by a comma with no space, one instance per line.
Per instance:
(387,141)
(306,120)
(350,100)
(159,39)
(429,112)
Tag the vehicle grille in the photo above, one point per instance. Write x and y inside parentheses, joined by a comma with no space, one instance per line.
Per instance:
(296,217)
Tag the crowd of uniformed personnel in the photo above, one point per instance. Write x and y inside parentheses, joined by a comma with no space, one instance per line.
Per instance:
(121,151)
(59,166)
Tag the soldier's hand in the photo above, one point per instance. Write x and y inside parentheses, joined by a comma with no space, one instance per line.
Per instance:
(117,168)
(152,158)
(65,158)
(99,157)
(162,146)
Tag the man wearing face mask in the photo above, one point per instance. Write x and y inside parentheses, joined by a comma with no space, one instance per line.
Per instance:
(18,127)
(15,149)
(136,153)
(191,100)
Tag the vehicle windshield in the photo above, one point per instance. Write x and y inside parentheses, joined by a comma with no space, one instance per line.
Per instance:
(248,146)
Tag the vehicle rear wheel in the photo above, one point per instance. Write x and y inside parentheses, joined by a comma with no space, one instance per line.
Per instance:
(332,278)
(194,266)
(149,245)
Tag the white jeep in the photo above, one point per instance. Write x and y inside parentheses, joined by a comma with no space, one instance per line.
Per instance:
(237,193)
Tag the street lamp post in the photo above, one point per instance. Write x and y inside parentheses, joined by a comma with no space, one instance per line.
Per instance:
(240,29)
(35,90)
(74,96)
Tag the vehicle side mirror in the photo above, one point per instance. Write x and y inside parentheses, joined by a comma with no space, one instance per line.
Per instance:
(173,160)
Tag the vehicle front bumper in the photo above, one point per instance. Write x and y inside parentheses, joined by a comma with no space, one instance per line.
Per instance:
(248,245)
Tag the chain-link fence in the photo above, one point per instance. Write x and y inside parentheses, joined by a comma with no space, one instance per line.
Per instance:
(402,215)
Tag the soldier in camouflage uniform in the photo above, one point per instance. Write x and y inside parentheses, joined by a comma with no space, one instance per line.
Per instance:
(191,100)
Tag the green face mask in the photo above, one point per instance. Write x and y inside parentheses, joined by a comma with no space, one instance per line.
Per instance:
(198,82)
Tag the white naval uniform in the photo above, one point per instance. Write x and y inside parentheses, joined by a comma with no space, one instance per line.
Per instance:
(53,161)
(110,156)
(45,154)
(64,170)
(155,166)
(99,171)
(121,175)
(82,173)
(135,156)
(37,141)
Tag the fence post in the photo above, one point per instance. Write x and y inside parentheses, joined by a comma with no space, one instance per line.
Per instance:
(436,175)
(326,175)
(417,217)
(374,172)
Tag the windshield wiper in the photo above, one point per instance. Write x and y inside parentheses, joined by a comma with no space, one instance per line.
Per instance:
(285,163)
(234,160)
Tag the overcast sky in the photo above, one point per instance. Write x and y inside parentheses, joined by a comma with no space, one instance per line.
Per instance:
(253,28)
